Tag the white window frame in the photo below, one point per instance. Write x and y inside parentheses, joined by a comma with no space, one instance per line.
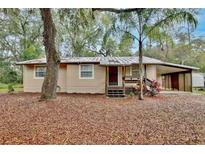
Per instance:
(34,73)
(92,65)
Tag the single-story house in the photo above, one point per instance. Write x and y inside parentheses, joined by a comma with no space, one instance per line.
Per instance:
(106,74)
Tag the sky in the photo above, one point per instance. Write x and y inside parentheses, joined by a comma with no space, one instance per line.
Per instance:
(200,30)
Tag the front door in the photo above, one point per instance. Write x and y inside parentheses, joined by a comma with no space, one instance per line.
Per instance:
(175,81)
(113,75)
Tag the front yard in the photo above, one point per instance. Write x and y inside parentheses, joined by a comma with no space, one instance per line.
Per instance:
(95,119)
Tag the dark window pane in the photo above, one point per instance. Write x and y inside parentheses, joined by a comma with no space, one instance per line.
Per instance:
(86,74)
(40,71)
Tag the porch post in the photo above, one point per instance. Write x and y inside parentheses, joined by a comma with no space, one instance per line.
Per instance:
(106,80)
(123,78)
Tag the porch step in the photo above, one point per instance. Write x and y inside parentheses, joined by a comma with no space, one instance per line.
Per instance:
(115,93)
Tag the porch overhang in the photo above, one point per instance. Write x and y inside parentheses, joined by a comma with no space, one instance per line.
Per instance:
(167,69)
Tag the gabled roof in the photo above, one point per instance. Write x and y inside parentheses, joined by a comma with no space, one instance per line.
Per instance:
(108,61)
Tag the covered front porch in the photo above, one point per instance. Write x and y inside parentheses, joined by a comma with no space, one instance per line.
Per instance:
(120,79)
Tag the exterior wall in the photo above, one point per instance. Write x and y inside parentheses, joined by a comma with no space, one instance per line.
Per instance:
(62,78)
(32,84)
(77,85)
(151,71)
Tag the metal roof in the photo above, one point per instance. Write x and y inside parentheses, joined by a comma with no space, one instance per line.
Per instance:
(179,65)
(33,61)
(108,61)
(81,60)
(127,60)
(63,60)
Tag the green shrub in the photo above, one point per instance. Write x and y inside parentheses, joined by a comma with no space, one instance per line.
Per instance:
(131,93)
(201,89)
(9,73)
(10,76)
(10,88)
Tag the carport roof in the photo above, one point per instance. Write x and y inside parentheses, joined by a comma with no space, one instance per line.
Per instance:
(108,61)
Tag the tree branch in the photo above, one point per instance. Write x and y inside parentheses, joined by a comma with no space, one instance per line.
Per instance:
(116,10)
(127,32)
(163,21)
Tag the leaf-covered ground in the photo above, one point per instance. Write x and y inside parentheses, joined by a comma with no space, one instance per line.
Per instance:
(95,119)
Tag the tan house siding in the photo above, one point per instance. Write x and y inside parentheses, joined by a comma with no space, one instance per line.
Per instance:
(32,84)
(151,72)
(62,78)
(77,85)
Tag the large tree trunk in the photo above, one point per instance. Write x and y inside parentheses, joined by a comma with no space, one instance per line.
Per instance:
(141,70)
(52,57)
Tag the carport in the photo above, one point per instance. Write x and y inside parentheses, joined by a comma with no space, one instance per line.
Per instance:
(175,77)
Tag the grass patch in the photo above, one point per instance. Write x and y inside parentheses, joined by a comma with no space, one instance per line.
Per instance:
(198,91)
(4,87)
